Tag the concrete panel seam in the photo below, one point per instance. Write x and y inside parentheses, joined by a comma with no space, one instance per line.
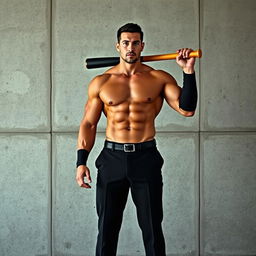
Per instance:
(199,135)
(50,2)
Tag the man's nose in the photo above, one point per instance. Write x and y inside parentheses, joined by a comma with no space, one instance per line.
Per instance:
(130,47)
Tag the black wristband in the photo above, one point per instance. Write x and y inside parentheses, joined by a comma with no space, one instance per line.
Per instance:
(82,155)
(188,97)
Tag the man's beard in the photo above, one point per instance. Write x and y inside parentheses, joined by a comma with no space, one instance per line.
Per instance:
(130,61)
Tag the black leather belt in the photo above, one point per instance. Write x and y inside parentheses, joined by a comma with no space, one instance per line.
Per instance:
(130,147)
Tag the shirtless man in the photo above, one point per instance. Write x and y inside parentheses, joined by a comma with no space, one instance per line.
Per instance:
(131,95)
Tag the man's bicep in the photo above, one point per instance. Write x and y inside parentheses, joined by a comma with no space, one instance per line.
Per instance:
(92,111)
(171,94)
(94,105)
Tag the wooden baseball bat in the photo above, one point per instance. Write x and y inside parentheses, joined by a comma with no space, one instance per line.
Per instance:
(112,61)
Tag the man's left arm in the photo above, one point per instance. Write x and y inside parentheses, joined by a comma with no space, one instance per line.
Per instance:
(183,100)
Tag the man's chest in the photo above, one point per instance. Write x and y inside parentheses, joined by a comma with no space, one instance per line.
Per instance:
(140,90)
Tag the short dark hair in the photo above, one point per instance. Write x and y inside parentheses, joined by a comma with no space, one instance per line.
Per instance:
(129,27)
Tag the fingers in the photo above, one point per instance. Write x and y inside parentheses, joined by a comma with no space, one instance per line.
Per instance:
(88,176)
(83,173)
(85,185)
(184,53)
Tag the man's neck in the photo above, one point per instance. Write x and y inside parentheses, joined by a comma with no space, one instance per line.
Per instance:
(129,69)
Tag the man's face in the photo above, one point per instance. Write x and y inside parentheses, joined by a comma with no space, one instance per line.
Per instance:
(130,47)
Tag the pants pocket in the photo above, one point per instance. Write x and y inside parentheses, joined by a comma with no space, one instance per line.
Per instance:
(98,160)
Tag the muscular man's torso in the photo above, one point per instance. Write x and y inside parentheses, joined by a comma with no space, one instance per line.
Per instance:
(131,104)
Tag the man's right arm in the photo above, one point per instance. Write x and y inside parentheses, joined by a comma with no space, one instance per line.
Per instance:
(88,126)
(92,113)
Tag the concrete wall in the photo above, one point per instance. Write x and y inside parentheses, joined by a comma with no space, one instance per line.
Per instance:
(209,171)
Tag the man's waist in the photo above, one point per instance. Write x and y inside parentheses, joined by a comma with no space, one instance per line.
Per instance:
(130,147)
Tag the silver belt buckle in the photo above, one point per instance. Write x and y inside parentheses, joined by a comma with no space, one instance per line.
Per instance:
(129,148)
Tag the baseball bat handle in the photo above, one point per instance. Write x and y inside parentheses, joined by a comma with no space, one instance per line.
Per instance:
(112,61)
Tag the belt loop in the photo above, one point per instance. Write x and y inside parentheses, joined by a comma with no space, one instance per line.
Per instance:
(112,146)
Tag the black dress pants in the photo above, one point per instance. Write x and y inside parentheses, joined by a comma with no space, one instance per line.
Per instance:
(119,171)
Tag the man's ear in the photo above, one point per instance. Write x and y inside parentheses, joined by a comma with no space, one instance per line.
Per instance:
(118,47)
(142,46)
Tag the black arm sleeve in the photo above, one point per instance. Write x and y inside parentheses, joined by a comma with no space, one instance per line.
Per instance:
(188,97)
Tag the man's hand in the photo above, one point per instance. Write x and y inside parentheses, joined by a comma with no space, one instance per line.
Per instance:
(82,172)
(183,60)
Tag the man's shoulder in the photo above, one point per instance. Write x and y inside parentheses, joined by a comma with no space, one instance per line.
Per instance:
(147,68)
(96,84)
(161,74)
(111,71)
(101,78)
